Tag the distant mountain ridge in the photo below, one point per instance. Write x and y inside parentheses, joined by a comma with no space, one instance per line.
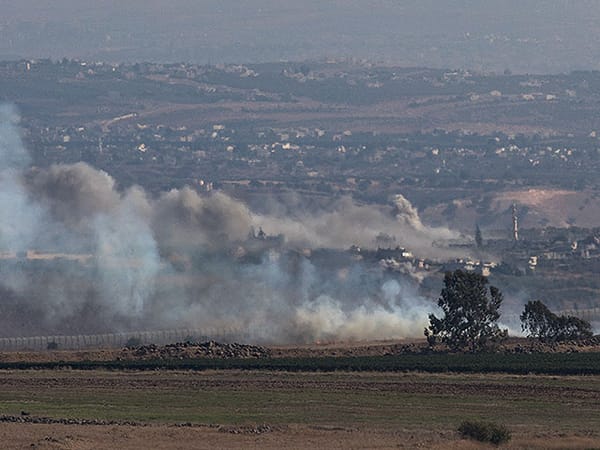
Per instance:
(528,36)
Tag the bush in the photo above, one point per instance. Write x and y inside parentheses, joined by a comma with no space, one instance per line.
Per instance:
(52,346)
(485,432)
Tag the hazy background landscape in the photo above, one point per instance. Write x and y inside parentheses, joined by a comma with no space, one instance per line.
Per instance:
(524,36)
(282,223)
(295,171)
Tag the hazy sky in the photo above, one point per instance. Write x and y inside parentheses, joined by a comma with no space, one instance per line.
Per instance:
(521,35)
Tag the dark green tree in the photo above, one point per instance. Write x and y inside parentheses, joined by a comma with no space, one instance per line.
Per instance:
(538,321)
(471,312)
(571,328)
(478,237)
(541,323)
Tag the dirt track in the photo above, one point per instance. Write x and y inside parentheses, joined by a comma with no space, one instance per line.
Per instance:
(46,437)
(15,436)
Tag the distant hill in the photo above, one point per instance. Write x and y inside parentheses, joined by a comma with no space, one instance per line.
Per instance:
(537,208)
(533,36)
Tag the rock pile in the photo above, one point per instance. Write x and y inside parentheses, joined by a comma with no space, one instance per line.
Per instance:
(189,350)
(23,418)
(258,429)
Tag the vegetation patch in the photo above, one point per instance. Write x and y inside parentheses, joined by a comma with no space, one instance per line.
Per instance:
(541,323)
(485,432)
(515,363)
(471,312)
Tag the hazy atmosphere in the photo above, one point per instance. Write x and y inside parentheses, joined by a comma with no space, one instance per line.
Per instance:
(129,245)
(296,223)
(292,171)
(524,36)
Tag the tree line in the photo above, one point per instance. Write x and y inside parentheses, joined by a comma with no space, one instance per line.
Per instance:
(471,309)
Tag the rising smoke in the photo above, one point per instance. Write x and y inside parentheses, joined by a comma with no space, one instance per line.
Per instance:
(185,260)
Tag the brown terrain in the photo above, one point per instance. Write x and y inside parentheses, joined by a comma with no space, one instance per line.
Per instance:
(14,436)
(545,207)
(217,350)
(279,410)
(100,409)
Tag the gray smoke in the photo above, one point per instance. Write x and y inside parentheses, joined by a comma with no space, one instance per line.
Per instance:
(102,259)
(347,223)
(182,218)
(74,194)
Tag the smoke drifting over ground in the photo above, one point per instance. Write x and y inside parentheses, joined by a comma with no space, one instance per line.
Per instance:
(125,261)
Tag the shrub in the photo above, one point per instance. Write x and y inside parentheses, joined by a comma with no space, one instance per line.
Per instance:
(52,346)
(484,432)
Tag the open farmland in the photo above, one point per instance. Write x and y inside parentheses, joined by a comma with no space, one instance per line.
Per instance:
(264,409)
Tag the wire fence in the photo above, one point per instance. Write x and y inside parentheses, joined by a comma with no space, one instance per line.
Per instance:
(589,314)
(162,337)
(118,340)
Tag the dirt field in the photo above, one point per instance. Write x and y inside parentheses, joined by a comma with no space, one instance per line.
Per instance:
(256,409)
(294,437)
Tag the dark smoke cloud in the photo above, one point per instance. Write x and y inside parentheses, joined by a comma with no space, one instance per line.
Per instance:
(124,261)
(73,193)
(182,218)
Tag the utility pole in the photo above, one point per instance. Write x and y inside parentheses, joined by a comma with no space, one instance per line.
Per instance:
(515,223)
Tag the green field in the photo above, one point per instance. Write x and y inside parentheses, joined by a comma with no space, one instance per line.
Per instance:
(386,401)
(539,363)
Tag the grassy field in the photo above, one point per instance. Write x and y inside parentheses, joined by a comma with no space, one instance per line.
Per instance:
(301,409)
(410,401)
(585,363)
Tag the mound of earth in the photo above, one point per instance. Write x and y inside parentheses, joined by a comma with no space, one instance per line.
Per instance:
(535,346)
(511,345)
(190,350)
(212,349)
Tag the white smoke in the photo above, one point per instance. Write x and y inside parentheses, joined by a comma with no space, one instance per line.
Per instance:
(19,215)
(127,256)
(172,261)
(325,318)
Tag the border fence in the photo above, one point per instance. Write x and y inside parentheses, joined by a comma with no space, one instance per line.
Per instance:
(162,337)
(589,314)
(118,340)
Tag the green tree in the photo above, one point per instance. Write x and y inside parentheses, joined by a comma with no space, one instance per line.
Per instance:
(471,312)
(541,323)
(478,237)
(538,321)
(571,328)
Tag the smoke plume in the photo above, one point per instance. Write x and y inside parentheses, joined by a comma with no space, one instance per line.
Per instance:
(81,255)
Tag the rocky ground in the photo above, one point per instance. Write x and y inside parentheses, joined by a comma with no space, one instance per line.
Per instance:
(189,350)
(512,345)
(68,437)
(212,349)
